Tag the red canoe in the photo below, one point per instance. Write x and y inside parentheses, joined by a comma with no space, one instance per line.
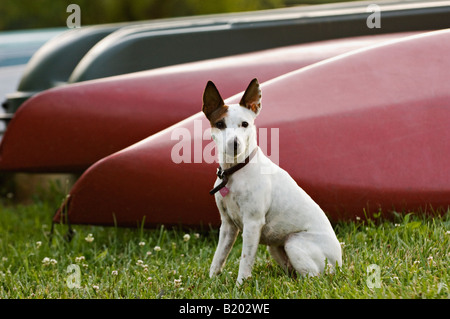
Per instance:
(69,128)
(362,131)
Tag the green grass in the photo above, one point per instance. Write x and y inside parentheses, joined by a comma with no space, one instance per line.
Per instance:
(412,253)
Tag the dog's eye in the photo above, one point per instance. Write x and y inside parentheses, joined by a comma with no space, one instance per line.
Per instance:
(220,125)
(244,124)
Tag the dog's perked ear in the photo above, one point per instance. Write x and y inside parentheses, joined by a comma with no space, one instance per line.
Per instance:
(212,101)
(252,97)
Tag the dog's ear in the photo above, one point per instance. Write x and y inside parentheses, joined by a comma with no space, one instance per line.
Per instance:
(252,97)
(211,100)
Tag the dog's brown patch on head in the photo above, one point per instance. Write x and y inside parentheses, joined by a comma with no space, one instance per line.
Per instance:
(252,97)
(217,115)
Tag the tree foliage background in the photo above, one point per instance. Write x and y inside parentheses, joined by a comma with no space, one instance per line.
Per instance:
(26,14)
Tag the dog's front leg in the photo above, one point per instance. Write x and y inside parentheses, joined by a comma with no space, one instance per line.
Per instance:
(250,240)
(227,237)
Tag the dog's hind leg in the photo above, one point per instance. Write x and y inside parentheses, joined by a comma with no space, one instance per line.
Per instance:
(309,253)
(278,253)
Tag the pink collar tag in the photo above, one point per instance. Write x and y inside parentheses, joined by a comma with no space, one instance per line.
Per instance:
(224,191)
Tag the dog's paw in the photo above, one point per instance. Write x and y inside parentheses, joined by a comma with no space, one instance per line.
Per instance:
(214,271)
(241,279)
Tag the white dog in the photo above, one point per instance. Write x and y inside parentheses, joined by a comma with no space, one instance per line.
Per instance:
(257,197)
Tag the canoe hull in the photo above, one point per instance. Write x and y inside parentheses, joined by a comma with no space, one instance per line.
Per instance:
(67,129)
(377,140)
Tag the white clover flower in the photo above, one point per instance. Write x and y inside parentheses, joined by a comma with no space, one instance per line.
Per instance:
(38,244)
(186,237)
(89,238)
(79,259)
(46,261)
(177,282)
(149,253)
(142,243)
(114,273)
(329,269)
(95,287)
(140,263)
(197,235)
(157,248)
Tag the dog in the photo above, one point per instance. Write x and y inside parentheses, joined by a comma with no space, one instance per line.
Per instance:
(258,198)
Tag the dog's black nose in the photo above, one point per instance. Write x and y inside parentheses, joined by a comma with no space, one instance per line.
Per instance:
(235,144)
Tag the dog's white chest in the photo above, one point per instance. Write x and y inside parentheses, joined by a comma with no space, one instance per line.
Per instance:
(231,208)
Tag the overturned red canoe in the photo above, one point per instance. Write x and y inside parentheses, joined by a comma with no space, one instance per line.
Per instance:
(69,128)
(362,131)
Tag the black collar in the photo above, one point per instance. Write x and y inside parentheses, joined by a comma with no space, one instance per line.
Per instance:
(224,174)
